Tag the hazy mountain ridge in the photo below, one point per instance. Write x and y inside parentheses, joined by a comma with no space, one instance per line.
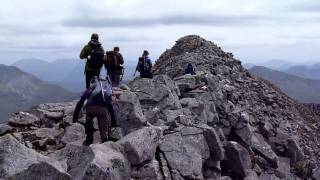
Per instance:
(302,89)
(67,73)
(20,90)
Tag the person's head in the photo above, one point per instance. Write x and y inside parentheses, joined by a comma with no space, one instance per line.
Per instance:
(94,36)
(145,53)
(116,49)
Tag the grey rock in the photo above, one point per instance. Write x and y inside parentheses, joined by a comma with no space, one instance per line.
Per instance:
(49,133)
(20,162)
(149,171)
(251,175)
(140,146)
(214,143)
(316,174)
(128,111)
(73,133)
(23,119)
(185,151)
(75,159)
(109,163)
(237,158)
(263,149)
(268,177)
(54,115)
(159,92)
(295,153)
(4,128)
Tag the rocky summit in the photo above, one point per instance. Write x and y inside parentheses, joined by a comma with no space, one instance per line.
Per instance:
(219,124)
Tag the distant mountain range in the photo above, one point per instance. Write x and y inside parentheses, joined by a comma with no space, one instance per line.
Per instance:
(302,89)
(276,64)
(20,90)
(312,72)
(67,73)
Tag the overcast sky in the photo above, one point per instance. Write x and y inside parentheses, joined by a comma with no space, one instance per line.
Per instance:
(253,30)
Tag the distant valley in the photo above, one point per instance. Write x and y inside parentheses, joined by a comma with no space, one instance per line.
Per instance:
(20,90)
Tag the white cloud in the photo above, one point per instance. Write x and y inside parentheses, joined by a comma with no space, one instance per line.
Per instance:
(253,30)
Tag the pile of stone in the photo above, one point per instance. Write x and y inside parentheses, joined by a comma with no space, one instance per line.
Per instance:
(219,124)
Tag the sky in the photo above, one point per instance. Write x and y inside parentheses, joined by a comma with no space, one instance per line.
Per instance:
(254,31)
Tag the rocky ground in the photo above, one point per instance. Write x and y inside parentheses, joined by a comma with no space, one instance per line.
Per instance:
(219,124)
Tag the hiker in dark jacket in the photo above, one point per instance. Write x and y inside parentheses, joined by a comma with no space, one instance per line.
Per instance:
(144,65)
(113,63)
(190,70)
(93,53)
(98,105)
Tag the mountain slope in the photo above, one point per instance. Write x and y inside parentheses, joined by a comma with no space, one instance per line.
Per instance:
(67,73)
(20,90)
(302,89)
(312,72)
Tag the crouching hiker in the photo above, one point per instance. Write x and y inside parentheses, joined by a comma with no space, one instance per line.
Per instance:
(99,105)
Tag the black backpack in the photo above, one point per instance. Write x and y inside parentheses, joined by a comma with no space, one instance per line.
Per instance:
(95,59)
(112,63)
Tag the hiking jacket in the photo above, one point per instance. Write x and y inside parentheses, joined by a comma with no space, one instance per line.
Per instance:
(85,53)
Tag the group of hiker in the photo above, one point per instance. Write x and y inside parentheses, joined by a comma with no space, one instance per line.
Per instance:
(99,91)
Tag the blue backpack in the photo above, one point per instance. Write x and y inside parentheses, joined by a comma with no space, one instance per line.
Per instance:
(101,93)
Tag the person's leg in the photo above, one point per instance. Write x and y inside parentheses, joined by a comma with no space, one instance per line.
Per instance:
(103,123)
(89,129)
(117,79)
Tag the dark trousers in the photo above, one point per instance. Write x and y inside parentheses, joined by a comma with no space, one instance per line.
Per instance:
(115,78)
(104,119)
(89,76)
(146,74)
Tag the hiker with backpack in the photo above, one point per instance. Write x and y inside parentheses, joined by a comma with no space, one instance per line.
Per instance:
(93,53)
(113,64)
(99,105)
(144,65)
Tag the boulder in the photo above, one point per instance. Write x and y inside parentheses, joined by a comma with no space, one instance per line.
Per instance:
(128,111)
(237,159)
(109,163)
(214,143)
(149,171)
(23,119)
(73,133)
(159,92)
(140,146)
(185,152)
(4,128)
(316,174)
(263,149)
(295,153)
(75,159)
(20,162)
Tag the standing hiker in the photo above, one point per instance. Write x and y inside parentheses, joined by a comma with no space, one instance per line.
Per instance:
(144,65)
(99,105)
(93,53)
(113,64)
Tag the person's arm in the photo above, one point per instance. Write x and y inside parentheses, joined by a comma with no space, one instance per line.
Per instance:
(120,57)
(85,52)
(149,62)
(79,105)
